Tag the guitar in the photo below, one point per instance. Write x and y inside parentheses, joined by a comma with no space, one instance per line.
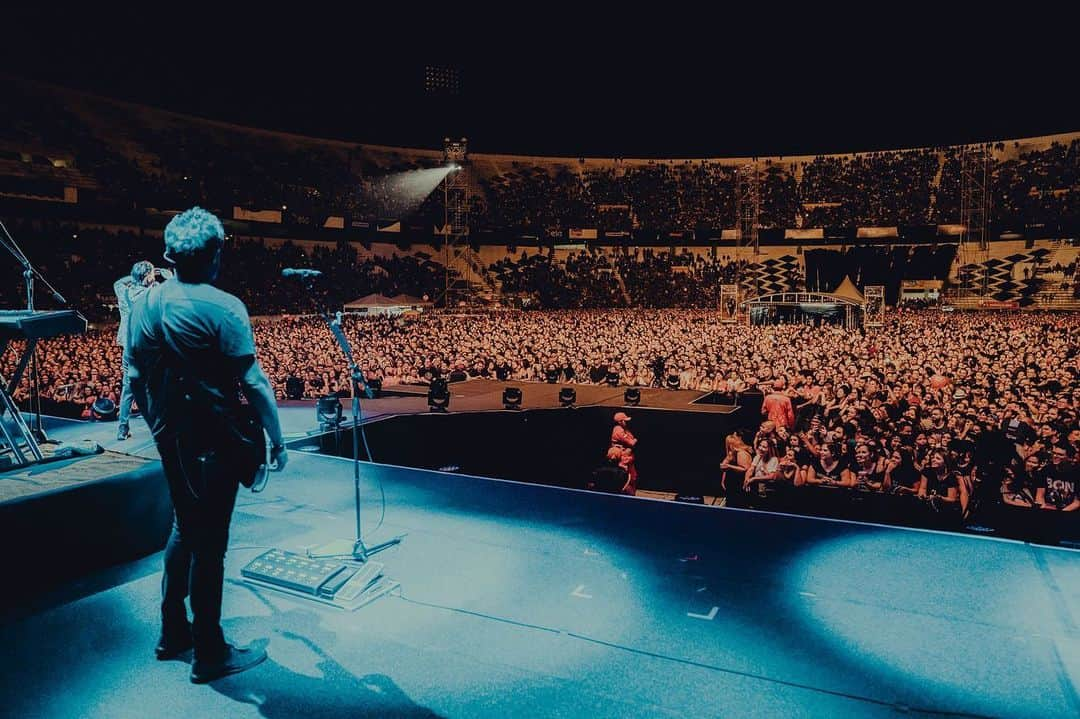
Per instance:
(253,449)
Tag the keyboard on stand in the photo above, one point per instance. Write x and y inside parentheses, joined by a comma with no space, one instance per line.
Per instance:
(16,439)
(37,325)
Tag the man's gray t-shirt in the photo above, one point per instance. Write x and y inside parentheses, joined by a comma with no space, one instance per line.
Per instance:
(211,337)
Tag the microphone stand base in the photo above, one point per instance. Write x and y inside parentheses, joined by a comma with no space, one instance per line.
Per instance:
(353,549)
(361,553)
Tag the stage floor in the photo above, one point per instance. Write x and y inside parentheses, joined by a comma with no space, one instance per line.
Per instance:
(525,600)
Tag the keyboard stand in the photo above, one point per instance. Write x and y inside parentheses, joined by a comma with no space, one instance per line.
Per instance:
(16,436)
(14,433)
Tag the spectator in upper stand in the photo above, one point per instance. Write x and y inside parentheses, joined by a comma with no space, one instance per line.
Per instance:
(777,406)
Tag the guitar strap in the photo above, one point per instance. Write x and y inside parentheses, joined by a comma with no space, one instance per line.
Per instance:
(172,356)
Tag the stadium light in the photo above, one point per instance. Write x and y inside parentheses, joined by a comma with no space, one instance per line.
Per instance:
(632,396)
(438,396)
(328,411)
(511,398)
(455,151)
(567,396)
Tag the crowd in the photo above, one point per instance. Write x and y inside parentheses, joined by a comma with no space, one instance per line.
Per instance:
(872,189)
(583,280)
(1037,188)
(955,409)
(83,263)
(149,160)
(663,279)
(638,277)
(532,198)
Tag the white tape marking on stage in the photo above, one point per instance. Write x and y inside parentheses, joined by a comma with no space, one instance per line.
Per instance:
(707,617)
(580,593)
(808,594)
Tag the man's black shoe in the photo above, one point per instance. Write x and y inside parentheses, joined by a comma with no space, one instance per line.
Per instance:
(167,649)
(235,661)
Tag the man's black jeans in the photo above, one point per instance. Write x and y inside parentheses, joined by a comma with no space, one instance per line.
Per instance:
(203,495)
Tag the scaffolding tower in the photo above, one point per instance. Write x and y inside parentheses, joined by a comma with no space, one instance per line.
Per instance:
(459,259)
(748,209)
(974,247)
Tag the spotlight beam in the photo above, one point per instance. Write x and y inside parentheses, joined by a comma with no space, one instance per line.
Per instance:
(404,192)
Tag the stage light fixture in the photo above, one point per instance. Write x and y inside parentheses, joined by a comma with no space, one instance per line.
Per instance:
(328,411)
(455,152)
(673,381)
(511,398)
(438,396)
(567,396)
(103,409)
(612,379)
(632,396)
(375,385)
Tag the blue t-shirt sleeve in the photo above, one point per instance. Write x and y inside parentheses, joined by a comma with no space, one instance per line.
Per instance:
(236,338)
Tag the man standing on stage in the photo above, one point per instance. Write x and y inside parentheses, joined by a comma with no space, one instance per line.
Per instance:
(185,338)
(128,289)
(623,441)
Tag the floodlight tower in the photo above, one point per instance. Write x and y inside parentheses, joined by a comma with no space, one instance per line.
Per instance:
(458,258)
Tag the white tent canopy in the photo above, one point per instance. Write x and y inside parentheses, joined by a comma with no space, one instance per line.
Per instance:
(379,304)
(848,291)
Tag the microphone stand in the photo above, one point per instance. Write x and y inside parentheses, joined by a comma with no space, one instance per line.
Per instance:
(29,273)
(360,552)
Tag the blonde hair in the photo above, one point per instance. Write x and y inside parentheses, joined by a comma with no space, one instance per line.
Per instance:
(734,442)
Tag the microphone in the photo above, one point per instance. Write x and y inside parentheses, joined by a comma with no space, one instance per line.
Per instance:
(301,273)
(335,327)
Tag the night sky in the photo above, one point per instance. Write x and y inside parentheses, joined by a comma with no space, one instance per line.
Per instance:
(576,87)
